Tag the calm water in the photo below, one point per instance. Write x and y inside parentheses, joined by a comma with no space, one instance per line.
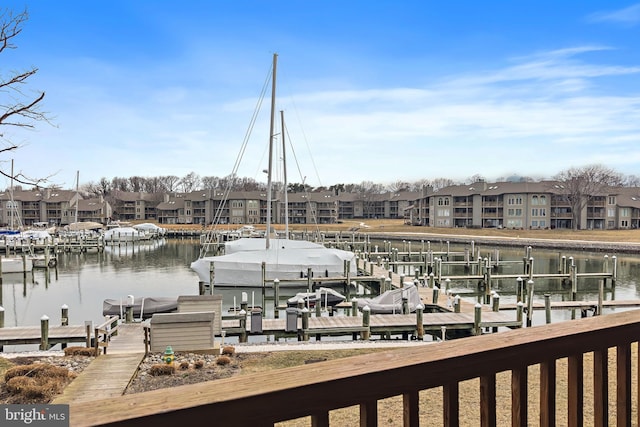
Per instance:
(161,268)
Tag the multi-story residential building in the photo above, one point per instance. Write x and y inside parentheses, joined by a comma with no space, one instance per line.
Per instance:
(533,205)
(173,211)
(312,208)
(131,206)
(390,205)
(53,206)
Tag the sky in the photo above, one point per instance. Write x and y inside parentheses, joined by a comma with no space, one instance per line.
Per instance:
(379,91)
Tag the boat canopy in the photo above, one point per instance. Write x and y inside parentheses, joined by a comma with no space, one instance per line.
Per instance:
(390,302)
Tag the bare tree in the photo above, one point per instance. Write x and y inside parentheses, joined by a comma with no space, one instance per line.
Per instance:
(170,182)
(210,182)
(190,182)
(18,109)
(137,183)
(398,185)
(250,184)
(120,184)
(440,183)
(154,185)
(580,185)
(474,178)
(631,181)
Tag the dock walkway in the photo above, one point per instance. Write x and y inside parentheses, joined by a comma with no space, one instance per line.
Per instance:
(110,374)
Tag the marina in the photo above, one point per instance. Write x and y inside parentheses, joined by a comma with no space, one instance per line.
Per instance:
(82,281)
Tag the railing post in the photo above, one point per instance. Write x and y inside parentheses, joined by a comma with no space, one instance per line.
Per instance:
(354,307)
(456,304)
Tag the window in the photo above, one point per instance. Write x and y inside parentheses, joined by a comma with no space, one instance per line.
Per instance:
(625,212)
(612,200)
(624,223)
(611,212)
(443,201)
(534,200)
(514,200)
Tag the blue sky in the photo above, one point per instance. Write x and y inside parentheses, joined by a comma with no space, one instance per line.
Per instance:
(376,91)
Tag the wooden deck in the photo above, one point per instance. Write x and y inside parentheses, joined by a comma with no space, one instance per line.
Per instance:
(110,374)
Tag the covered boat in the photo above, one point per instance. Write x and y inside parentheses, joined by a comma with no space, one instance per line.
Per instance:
(285,259)
(123,234)
(326,297)
(390,302)
(143,307)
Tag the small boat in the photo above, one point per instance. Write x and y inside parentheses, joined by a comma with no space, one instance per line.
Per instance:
(390,302)
(325,296)
(143,307)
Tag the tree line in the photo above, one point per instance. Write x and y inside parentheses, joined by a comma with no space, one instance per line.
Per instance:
(590,179)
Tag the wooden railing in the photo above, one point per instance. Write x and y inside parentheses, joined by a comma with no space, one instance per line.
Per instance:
(316,389)
(104,332)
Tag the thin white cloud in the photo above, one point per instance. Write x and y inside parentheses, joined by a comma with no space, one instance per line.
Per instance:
(629,16)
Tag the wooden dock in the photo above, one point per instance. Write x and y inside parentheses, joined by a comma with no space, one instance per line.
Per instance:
(109,375)
(33,335)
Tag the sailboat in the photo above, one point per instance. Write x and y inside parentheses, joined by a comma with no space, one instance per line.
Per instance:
(283,258)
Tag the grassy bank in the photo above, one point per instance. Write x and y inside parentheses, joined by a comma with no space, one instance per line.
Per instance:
(398,226)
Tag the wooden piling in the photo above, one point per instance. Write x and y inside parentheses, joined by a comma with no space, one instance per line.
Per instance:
(243,326)
(64,316)
(547,308)
(419,322)
(276,298)
(529,302)
(44,332)
(305,324)
(477,317)
(366,322)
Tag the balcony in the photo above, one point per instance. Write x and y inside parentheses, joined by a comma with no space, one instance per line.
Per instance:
(363,381)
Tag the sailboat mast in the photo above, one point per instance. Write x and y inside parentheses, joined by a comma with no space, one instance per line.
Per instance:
(271,132)
(284,168)
(75,219)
